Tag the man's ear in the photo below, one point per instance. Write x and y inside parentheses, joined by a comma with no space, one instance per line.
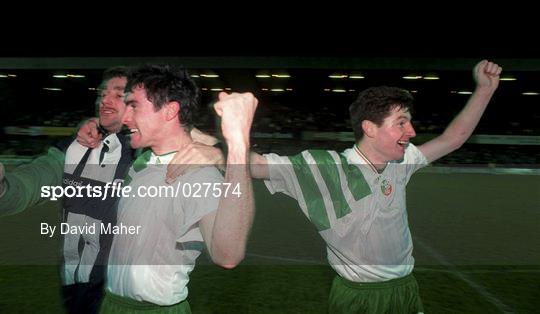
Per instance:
(172,110)
(370,128)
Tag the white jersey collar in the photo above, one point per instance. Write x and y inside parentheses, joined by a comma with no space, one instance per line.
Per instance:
(164,159)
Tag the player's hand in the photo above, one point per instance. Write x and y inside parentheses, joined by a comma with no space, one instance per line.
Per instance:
(236,112)
(486,74)
(203,138)
(193,156)
(88,134)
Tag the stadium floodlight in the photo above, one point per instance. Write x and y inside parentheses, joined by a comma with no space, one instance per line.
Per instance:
(431,76)
(412,77)
(338,76)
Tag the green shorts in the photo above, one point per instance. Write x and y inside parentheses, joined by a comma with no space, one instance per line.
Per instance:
(113,303)
(393,296)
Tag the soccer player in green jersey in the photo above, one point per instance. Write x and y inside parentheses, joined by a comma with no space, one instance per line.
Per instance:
(150,271)
(356,199)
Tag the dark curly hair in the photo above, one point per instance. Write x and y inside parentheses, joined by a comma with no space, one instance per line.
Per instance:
(375,104)
(119,71)
(108,74)
(166,83)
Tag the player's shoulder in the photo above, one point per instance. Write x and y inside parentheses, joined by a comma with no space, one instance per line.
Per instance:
(413,155)
(208,174)
(319,157)
(308,156)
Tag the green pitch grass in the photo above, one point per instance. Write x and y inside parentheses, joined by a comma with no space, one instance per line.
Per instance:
(477,250)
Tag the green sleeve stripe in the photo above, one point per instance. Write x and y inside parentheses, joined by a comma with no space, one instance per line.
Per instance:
(355,179)
(330,174)
(190,246)
(310,192)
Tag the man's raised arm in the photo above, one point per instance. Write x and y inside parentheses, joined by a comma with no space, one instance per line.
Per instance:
(486,74)
(226,231)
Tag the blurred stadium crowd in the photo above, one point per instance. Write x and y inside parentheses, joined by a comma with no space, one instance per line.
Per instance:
(40,106)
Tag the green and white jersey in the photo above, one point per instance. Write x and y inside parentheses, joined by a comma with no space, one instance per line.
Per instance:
(154,264)
(360,213)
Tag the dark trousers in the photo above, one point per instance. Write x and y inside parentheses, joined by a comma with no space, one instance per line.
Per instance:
(83,297)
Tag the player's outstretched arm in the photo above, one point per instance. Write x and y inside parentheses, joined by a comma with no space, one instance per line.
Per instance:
(486,74)
(22,188)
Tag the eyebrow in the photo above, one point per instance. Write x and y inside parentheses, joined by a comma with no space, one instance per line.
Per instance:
(403,116)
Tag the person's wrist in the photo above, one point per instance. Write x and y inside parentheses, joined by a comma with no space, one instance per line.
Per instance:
(237,139)
(485,90)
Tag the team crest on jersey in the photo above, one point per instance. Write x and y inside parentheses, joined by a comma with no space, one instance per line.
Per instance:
(386,187)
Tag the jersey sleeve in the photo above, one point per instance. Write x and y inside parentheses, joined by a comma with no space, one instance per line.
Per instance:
(282,176)
(24,184)
(205,186)
(413,160)
(323,184)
